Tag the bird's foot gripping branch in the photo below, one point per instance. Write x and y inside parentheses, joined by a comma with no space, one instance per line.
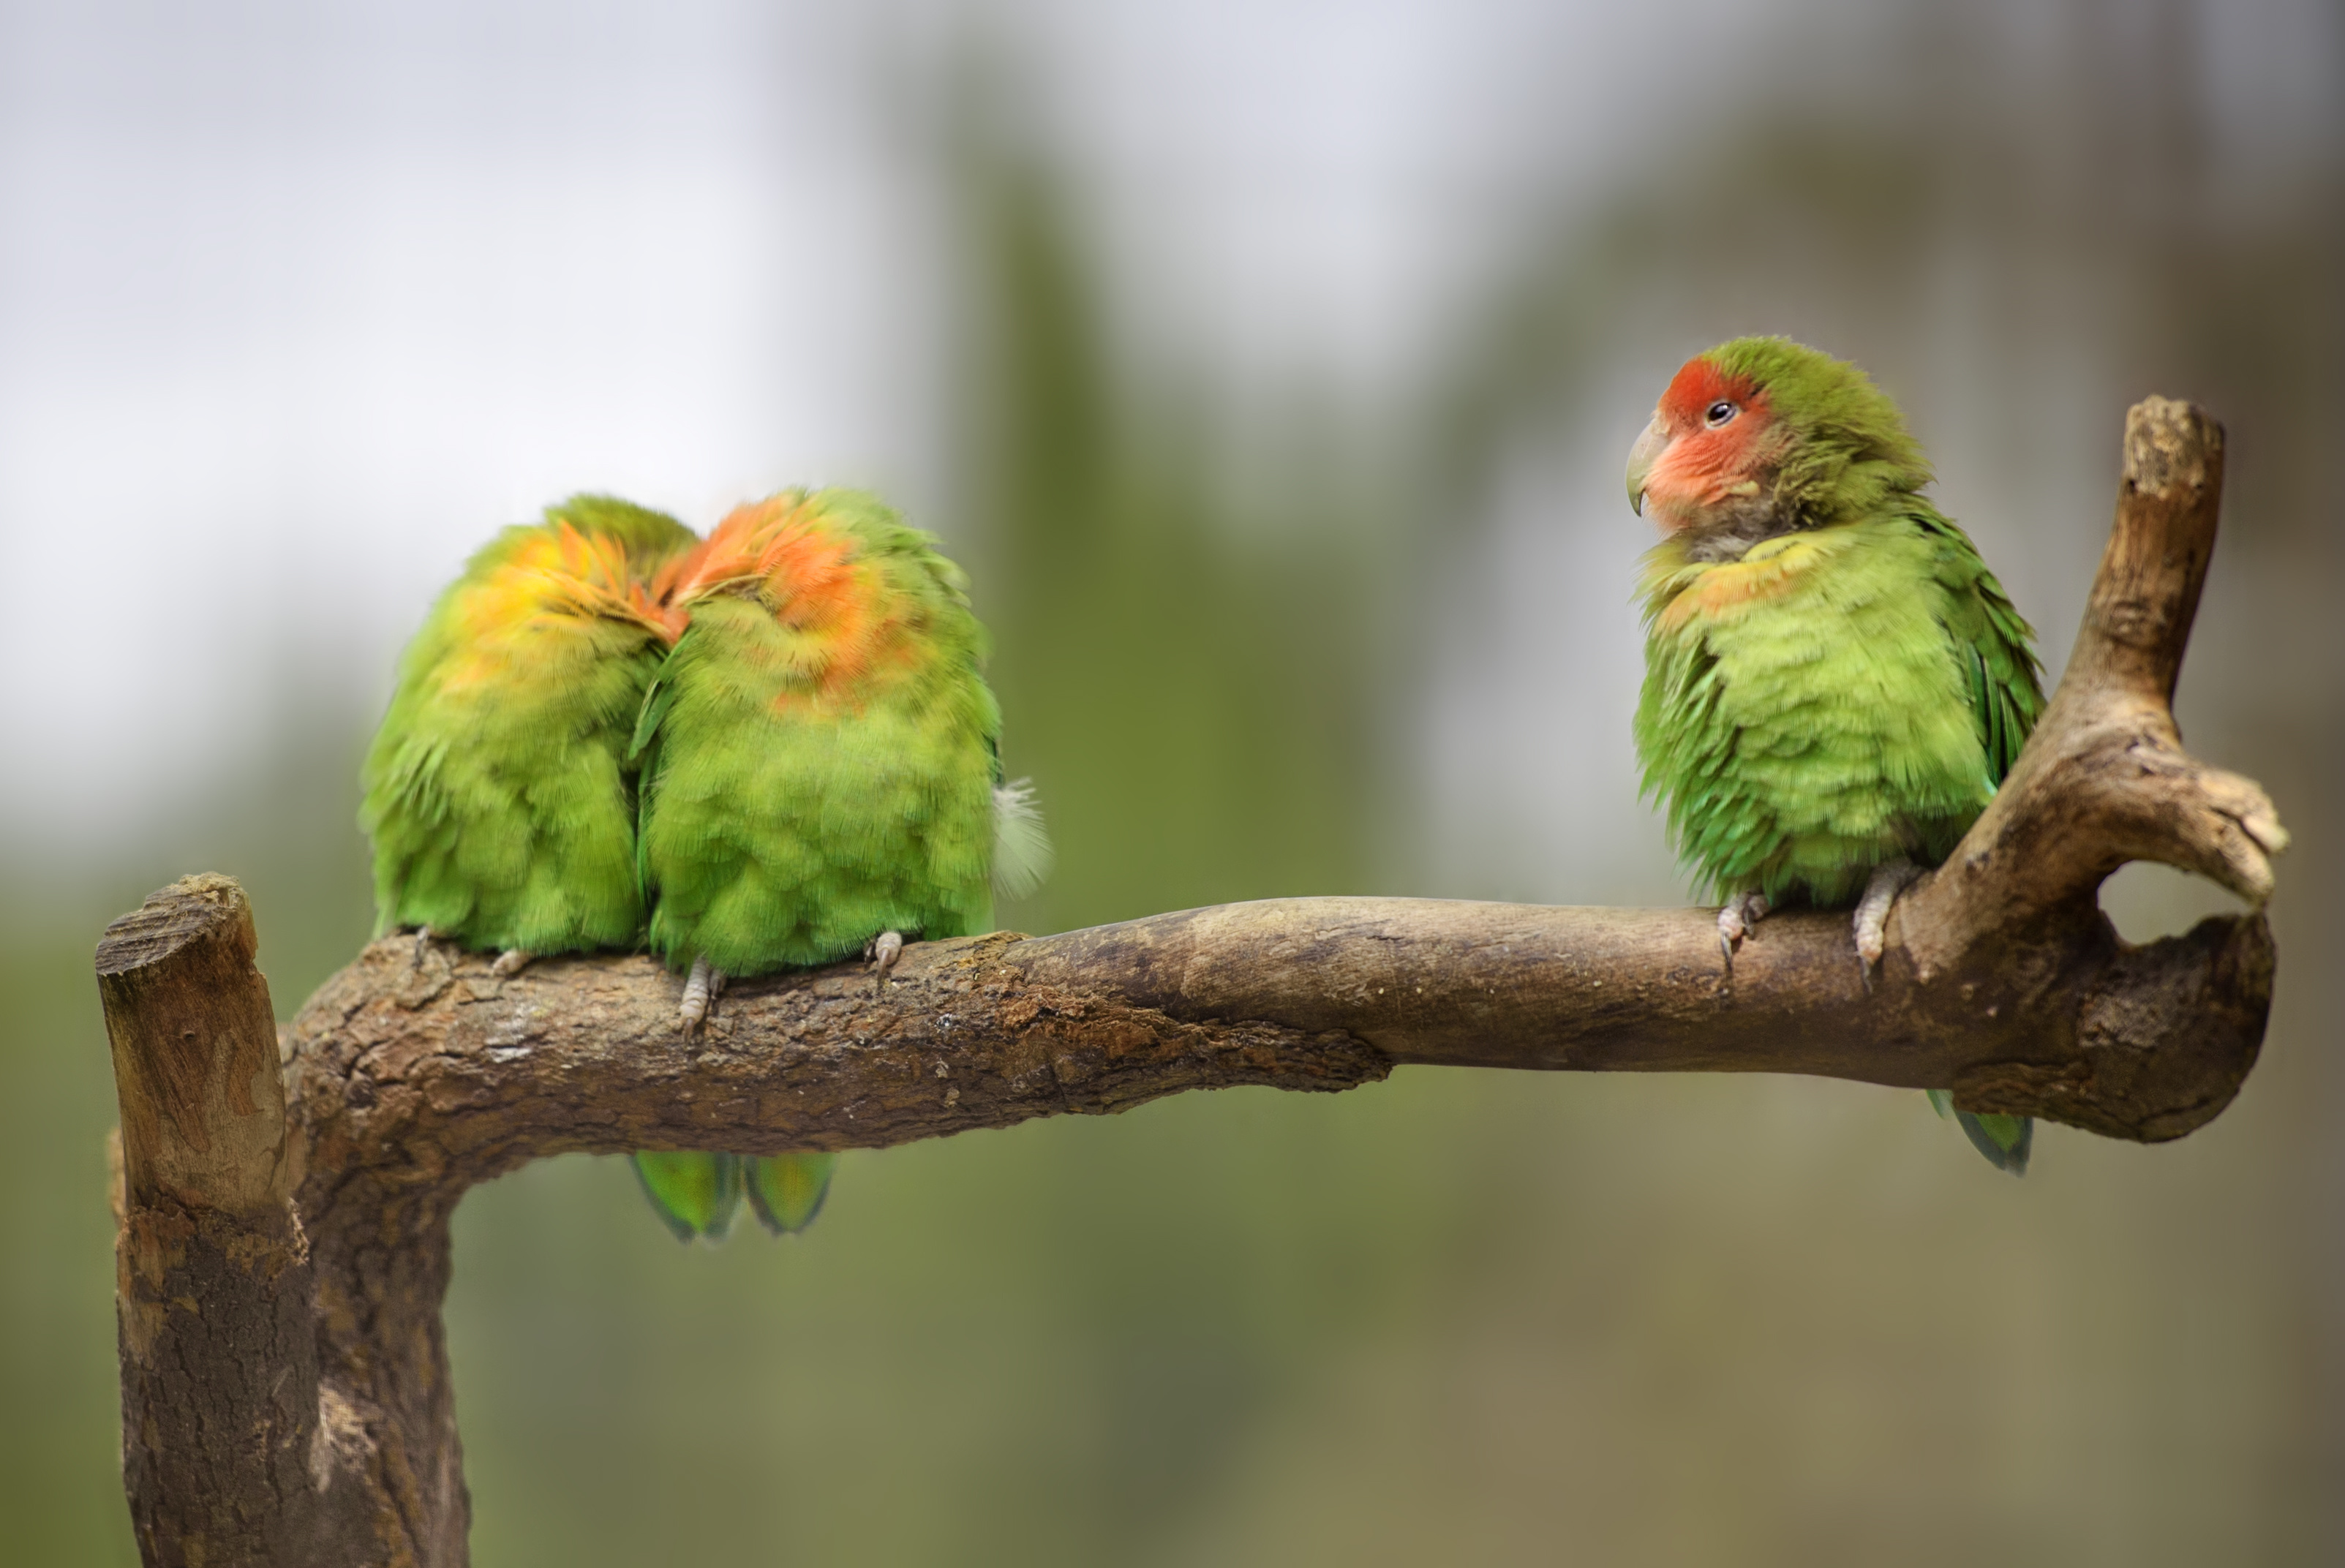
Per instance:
(284,1242)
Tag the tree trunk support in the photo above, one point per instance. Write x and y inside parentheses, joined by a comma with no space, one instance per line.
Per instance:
(284,1241)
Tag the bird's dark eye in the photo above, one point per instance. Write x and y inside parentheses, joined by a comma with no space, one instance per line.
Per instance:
(1719,413)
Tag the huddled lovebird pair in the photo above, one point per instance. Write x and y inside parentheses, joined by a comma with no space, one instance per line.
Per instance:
(775,747)
(769,748)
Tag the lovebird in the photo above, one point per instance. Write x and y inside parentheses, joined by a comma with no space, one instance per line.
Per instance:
(1834,683)
(819,776)
(497,791)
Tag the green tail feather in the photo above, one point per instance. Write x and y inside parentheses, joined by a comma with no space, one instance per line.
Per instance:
(2005,1140)
(693,1194)
(786,1190)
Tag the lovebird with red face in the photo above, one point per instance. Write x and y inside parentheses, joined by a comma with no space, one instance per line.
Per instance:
(1836,685)
(820,774)
(497,793)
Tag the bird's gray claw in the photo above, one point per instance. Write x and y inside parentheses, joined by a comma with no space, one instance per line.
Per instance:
(422,946)
(1742,911)
(1868,950)
(700,990)
(883,950)
(1872,922)
(511,962)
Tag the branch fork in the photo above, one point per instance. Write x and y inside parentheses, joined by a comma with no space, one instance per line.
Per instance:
(284,1236)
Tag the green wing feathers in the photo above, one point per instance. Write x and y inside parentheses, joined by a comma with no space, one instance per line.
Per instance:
(1995,648)
(1993,643)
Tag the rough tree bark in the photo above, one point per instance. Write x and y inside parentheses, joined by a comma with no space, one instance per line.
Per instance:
(212,1277)
(284,1379)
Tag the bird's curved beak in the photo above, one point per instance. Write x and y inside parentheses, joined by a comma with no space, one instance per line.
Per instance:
(1641,459)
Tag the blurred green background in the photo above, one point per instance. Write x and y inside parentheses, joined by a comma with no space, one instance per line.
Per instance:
(1271,370)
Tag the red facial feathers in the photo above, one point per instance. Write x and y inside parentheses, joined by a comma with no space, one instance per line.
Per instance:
(1697,385)
(1702,466)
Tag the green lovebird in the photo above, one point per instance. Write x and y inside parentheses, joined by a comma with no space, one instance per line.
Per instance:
(819,777)
(1834,683)
(497,791)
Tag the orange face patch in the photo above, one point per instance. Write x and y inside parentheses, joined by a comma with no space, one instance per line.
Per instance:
(555,574)
(816,581)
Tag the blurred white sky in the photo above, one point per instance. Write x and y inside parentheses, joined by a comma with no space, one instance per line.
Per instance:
(298,301)
(301,302)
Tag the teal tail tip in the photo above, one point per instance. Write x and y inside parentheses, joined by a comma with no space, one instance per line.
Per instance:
(786,1190)
(693,1194)
(2005,1140)
(697,1195)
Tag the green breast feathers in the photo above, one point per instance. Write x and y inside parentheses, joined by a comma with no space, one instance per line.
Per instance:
(1830,700)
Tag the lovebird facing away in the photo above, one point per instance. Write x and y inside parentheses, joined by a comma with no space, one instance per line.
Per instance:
(819,778)
(1834,683)
(497,791)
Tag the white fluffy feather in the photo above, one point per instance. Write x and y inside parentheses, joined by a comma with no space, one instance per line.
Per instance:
(1021,848)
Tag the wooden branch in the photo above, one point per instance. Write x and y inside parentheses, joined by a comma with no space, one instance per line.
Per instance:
(410,1081)
(2104,779)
